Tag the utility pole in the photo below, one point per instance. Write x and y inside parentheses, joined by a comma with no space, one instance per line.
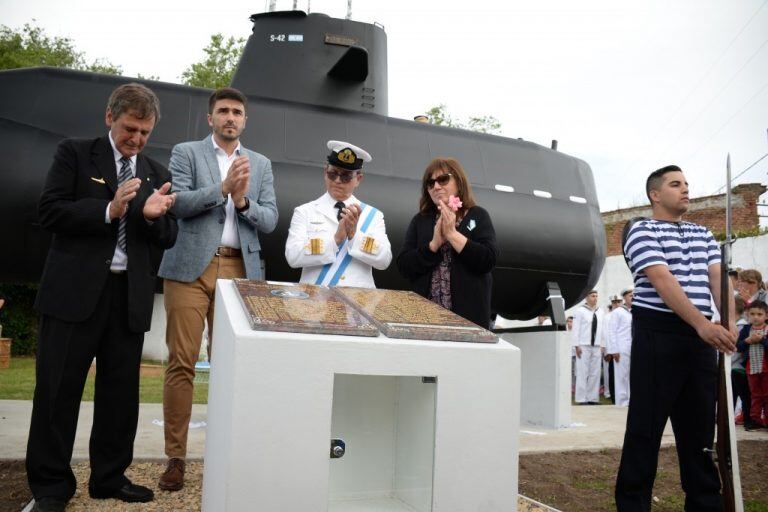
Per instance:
(272,5)
(349,9)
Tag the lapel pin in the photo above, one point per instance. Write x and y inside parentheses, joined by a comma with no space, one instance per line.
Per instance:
(471,224)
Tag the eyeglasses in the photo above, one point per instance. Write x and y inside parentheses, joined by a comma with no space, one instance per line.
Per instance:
(345,177)
(442,180)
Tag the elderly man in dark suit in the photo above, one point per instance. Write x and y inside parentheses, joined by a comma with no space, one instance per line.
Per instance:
(107,207)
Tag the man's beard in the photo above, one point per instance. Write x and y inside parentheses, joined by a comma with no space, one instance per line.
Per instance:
(228,136)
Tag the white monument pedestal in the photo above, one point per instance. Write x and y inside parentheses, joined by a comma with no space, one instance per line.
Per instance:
(277,399)
(546,377)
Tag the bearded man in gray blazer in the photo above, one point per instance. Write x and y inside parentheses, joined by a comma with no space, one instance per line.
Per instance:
(224,197)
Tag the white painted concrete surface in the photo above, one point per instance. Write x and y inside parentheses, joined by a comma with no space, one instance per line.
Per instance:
(545,392)
(270,417)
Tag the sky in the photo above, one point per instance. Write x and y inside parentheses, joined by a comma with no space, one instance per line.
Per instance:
(626,86)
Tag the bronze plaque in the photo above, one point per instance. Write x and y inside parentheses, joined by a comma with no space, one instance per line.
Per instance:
(303,308)
(340,40)
(402,314)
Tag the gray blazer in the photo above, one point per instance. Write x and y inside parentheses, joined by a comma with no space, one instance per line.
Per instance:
(200,210)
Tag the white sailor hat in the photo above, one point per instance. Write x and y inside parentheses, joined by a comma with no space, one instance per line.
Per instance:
(626,291)
(346,155)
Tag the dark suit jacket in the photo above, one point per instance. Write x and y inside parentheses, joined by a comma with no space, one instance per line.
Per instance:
(471,279)
(81,182)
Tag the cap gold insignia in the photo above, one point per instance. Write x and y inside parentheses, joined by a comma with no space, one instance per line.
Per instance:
(346,156)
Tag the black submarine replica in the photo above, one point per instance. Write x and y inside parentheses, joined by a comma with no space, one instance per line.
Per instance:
(310,78)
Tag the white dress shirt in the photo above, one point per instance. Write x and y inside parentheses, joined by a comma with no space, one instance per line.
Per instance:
(229,237)
(119,259)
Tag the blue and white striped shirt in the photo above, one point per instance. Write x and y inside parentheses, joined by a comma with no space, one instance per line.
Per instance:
(687,249)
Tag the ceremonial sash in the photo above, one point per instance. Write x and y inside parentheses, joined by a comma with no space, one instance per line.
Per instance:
(332,272)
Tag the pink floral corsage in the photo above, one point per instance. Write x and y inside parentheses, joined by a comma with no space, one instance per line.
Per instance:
(454,203)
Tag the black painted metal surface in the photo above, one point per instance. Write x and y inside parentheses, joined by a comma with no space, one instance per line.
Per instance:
(558,238)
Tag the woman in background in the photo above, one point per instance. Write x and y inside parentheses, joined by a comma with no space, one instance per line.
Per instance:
(450,246)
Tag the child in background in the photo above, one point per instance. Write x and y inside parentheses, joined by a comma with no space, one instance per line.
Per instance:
(753,340)
(739,383)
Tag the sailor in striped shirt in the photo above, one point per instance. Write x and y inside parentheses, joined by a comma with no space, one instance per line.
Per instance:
(673,375)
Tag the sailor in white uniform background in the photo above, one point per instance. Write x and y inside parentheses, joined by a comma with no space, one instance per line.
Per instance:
(620,346)
(587,338)
(337,239)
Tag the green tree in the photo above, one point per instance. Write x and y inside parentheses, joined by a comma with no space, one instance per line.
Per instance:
(217,68)
(30,46)
(440,116)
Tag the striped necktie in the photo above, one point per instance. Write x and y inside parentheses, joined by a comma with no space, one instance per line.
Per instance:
(125,175)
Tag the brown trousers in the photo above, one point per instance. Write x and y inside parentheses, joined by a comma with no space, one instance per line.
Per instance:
(187,306)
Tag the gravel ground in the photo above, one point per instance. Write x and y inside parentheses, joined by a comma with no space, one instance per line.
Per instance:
(188,499)
(142,473)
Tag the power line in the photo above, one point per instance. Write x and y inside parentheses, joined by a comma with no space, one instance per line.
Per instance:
(719,93)
(736,114)
(701,80)
(741,173)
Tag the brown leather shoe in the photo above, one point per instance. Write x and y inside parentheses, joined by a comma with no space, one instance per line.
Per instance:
(173,478)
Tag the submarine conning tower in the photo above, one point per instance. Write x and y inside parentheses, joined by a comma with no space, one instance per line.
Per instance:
(317,60)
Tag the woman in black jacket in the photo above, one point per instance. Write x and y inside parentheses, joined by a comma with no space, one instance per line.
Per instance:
(450,246)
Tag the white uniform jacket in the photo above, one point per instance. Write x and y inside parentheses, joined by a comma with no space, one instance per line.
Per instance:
(620,327)
(607,329)
(581,334)
(311,246)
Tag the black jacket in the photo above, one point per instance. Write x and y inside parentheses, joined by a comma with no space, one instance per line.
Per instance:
(471,278)
(80,184)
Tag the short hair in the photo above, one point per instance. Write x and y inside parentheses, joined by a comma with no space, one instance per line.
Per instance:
(656,178)
(137,98)
(450,165)
(752,276)
(758,304)
(226,93)
(569,318)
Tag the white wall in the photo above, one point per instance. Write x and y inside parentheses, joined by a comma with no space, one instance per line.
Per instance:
(751,252)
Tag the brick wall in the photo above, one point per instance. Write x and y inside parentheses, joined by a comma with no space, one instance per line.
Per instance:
(708,211)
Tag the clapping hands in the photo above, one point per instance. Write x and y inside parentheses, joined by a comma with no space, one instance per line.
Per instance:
(348,223)
(236,182)
(159,202)
(445,226)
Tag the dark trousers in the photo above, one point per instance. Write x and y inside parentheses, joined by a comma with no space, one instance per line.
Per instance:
(611,382)
(740,387)
(64,355)
(673,375)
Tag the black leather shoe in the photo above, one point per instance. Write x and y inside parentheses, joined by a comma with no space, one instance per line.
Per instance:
(130,493)
(49,505)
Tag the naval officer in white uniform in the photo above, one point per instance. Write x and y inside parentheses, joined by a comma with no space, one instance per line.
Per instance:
(337,239)
(620,346)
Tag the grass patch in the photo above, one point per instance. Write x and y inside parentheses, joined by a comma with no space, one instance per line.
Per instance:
(595,485)
(18,383)
(755,506)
